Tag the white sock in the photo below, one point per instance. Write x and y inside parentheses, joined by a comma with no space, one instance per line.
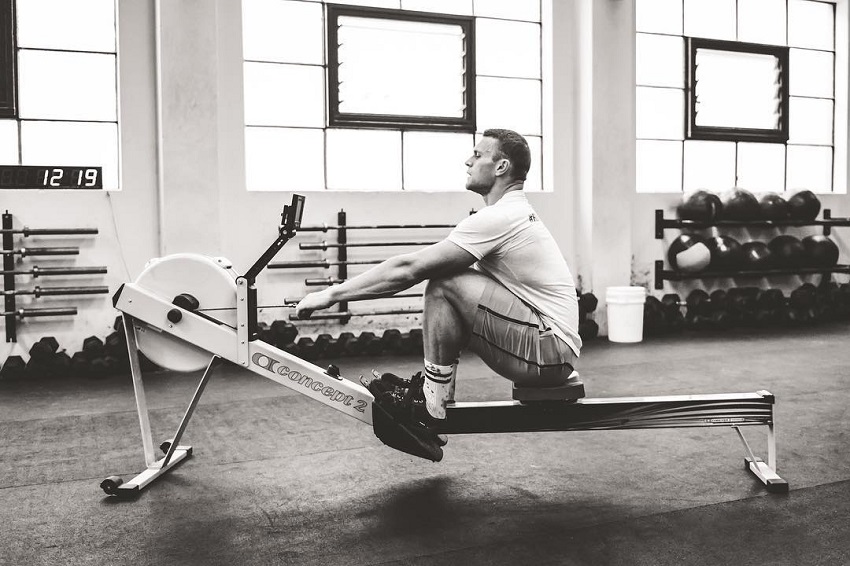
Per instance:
(438,388)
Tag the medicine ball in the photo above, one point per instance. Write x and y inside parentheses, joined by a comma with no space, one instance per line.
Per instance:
(739,204)
(819,251)
(688,253)
(773,207)
(725,253)
(755,256)
(787,251)
(803,206)
(700,205)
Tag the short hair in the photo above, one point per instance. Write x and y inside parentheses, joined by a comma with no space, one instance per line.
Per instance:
(514,148)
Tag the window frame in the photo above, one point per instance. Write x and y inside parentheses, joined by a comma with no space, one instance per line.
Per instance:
(717,133)
(337,119)
(8,29)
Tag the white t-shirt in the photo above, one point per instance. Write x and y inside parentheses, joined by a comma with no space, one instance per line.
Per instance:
(514,247)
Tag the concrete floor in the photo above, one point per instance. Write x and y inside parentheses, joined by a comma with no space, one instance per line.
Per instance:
(279,479)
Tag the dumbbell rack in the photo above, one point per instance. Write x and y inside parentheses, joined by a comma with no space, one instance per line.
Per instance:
(10,290)
(341,245)
(661,224)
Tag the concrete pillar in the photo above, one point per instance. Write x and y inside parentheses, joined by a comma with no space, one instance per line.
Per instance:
(613,146)
(594,137)
(189,80)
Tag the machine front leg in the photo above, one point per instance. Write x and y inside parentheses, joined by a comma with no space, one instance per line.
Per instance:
(174,454)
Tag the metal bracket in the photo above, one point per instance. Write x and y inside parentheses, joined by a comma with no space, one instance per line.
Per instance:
(242,322)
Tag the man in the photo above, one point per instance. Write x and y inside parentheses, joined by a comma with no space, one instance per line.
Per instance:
(497,285)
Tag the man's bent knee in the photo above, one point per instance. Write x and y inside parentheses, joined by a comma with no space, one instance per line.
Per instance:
(463,290)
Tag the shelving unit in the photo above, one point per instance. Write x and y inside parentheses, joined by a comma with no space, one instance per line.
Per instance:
(661,224)
(662,274)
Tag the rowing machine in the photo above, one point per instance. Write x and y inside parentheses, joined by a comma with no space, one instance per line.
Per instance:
(165,313)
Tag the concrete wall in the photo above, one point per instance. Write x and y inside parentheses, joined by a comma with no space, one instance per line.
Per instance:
(187,192)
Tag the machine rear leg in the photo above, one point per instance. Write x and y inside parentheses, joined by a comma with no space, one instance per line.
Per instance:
(764,471)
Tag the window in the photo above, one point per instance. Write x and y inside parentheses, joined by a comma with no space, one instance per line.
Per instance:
(400,69)
(776,59)
(737,91)
(61,59)
(453,76)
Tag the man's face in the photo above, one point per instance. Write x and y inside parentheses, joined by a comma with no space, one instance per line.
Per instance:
(481,167)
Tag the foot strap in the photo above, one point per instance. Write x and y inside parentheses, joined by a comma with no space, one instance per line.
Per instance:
(404,437)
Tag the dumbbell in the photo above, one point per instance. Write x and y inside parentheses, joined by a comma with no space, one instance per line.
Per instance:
(361,344)
(80,365)
(102,361)
(61,364)
(13,368)
(391,340)
(825,304)
(742,304)
(372,345)
(698,302)
(736,306)
(671,312)
(115,345)
(93,347)
(770,299)
(742,299)
(282,333)
(411,342)
(831,303)
(264,332)
(41,353)
(44,349)
(588,329)
(311,349)
(803,297)
(322,342)
(306,348)
(798,316)
(654,322)
(587,303)
(704,310)
(843,301)
(769,309)
(338,346)
(805,304)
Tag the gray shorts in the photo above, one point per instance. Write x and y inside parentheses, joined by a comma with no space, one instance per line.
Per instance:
(514,342)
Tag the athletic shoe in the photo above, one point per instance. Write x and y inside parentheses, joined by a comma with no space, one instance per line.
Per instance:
(400,418)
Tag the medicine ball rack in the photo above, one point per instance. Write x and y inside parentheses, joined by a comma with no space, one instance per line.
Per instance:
(661,224)
(341,263)
(10,292)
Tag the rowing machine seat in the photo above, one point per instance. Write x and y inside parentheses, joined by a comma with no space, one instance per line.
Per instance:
(570,390)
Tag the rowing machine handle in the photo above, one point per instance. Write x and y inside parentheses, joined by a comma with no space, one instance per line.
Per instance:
(290,218)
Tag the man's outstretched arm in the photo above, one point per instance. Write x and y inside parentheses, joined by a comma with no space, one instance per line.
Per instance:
(391,276)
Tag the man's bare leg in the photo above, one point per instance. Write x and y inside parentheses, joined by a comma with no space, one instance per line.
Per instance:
(450,306)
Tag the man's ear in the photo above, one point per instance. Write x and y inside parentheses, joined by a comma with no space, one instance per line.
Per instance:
(502,167)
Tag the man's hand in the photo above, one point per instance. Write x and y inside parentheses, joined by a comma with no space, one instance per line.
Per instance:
(313,302)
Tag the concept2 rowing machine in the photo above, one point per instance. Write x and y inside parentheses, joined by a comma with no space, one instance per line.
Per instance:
(165,312)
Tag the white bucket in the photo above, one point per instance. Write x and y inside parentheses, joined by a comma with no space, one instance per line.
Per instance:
(625,313)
